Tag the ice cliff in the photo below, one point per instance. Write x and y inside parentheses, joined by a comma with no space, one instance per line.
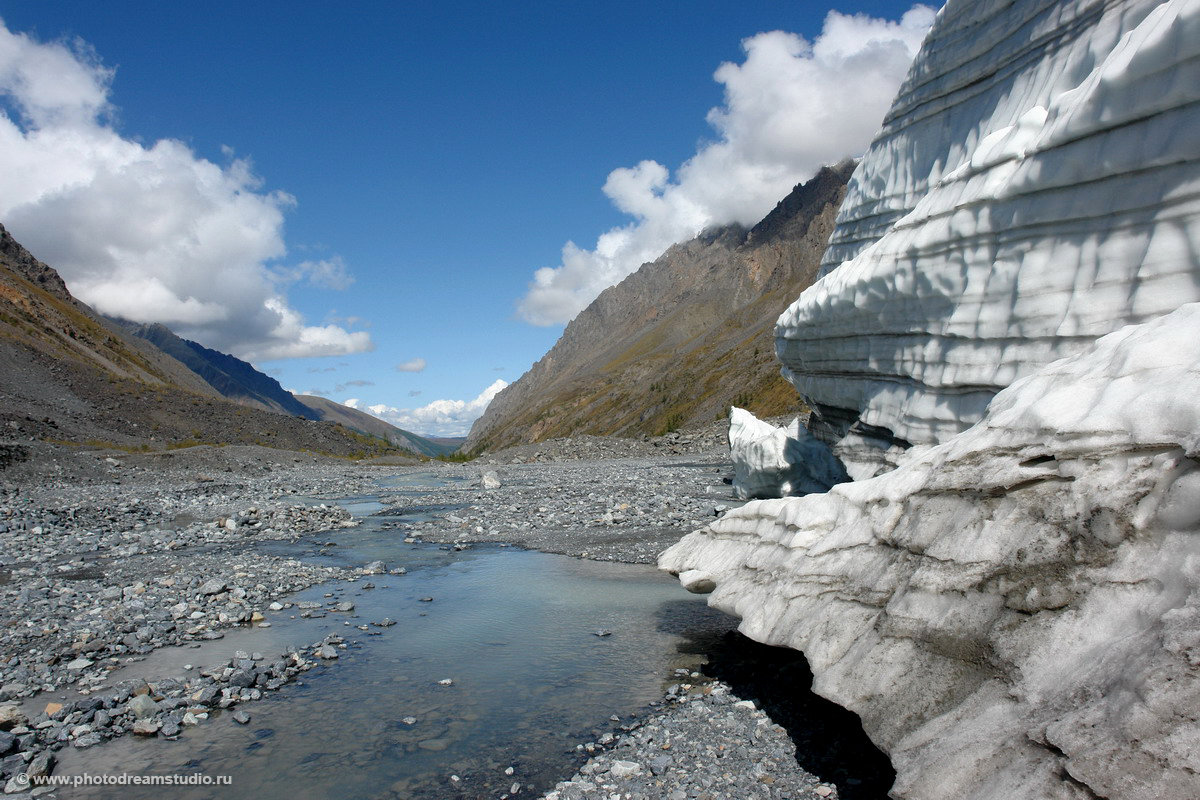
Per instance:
(1014,609)
(1015,612)
(1035,185)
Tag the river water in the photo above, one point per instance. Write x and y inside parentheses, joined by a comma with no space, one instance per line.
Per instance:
(515,632)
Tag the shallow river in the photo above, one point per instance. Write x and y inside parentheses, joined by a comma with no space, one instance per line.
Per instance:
(514,630)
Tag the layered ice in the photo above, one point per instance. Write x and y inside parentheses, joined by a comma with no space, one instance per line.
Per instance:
(1007,321)
(769,461)
(1014,612)
(1035,186)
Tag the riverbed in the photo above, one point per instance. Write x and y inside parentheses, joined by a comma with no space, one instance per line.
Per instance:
(500,663)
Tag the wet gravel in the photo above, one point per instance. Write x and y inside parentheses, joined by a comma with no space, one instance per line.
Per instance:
(107,556)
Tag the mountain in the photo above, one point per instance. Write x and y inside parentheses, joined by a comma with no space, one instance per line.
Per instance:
(679,340)
(363,422)
(68,375)
(1009,326)
(231,377)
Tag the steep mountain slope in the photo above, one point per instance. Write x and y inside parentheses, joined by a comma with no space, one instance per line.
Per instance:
(231,377)
(38,313)
(68,375)
(363,422)
(680,339)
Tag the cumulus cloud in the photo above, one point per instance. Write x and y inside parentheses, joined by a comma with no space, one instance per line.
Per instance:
(789,107)
(152,233)
(412,365)
(439,418)
(414,393)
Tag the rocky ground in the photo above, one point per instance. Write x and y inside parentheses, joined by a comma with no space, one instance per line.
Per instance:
(107,556)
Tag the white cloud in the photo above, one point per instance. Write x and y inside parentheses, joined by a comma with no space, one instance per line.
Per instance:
(789,108)
(153,232)
(439,418)
(328,273)
(412,365)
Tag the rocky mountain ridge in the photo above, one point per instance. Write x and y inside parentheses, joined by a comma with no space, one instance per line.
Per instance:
(677,341)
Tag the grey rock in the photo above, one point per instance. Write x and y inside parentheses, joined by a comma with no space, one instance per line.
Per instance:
(143,706)
(211,587)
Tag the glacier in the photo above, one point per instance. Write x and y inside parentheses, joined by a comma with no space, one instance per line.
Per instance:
(1035,185)
(769,461)
(1014,612)
(1004,350)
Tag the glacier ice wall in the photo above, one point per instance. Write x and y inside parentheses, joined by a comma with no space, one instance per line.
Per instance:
(1014,612)
(1035,185)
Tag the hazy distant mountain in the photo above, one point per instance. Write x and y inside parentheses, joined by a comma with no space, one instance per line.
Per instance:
(69,375)
(232,377)
(682,338)
(363,422)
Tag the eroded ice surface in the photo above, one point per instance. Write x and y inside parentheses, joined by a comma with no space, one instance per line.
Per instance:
(1036,185)
(770,461)
(1015,612)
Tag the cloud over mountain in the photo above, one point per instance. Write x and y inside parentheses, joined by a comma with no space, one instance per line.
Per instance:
(150,232)
(789,107)
(439,418)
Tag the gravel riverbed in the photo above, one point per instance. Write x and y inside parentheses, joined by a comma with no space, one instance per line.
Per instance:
(108,556)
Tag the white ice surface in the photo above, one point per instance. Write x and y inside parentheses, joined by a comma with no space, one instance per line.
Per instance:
(1014,612)
(1036,185)
(778,462)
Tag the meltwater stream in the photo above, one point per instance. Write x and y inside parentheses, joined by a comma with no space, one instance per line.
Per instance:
(514,630)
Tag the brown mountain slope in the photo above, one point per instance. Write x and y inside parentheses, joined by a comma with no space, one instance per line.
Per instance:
(67,375)
(680,339)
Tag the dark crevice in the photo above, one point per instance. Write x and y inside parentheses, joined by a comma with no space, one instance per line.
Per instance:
(830,741)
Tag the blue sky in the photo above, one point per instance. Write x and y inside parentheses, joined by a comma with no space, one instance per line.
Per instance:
(381,182)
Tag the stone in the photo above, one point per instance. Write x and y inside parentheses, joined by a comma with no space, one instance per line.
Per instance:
(490,480)
(241,717)
(142,706)
(10,717)
(374,568)
(41,765)
(213,586)
(624,769)
(435,745)
(146,727)
(327,651)
(86,740)
(79,663)
(343,606)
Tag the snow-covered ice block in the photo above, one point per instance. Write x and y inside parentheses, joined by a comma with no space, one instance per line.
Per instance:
(778,462)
